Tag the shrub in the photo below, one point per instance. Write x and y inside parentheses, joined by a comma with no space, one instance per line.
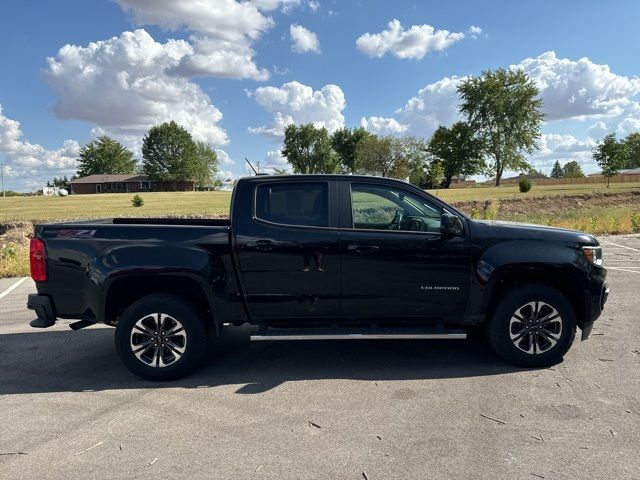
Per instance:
(476,213)
(524,185)
(491,210)
(14,260)
(635,222)
(8,251)
(614,222)
(137,201)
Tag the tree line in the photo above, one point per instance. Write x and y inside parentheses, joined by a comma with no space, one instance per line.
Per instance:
(169,154)
(501,123)
(502,118)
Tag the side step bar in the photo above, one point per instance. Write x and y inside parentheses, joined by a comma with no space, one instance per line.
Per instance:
(357,334)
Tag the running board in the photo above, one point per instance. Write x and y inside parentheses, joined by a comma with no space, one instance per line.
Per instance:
(358,334)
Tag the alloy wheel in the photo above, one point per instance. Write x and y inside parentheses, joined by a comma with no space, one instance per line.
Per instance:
(535,327)
(158,340)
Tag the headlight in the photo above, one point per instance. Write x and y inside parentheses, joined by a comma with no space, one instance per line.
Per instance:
(593,254)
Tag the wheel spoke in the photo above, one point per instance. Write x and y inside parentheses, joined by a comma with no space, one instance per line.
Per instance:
(175,348)
(549,337)
(142,351)
(139,326)
(174,331)
(548,319)
(141,346)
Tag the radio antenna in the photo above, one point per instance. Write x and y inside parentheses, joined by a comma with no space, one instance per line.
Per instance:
(254,170)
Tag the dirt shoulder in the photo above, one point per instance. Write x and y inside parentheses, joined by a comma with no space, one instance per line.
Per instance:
(551,204)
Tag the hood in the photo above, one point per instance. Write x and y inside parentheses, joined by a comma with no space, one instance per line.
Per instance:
(528,231)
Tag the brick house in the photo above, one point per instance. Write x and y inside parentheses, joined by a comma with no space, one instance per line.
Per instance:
(124,184)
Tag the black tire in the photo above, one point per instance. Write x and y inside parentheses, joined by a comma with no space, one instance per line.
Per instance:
(182,352)
(539,342)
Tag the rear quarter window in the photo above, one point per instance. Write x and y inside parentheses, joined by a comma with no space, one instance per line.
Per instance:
(303,203)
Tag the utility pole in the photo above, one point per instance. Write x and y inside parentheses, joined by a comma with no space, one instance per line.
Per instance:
(2,177)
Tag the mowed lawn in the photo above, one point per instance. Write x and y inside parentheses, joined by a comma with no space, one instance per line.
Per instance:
(160,204)
(203,204)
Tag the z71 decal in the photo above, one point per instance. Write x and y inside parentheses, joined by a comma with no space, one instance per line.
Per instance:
(76,234)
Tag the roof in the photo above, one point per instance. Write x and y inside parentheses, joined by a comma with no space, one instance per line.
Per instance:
(528,176)
(628,171)
(111,178)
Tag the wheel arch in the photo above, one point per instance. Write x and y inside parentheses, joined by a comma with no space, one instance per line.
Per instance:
(566,281)
(124,291)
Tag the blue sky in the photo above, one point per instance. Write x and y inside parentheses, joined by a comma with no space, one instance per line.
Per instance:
(235,72)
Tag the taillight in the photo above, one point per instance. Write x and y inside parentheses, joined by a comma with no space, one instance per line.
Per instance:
(37,260)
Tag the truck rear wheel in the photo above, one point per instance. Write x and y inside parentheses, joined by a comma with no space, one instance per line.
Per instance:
(161,337)
(533,326)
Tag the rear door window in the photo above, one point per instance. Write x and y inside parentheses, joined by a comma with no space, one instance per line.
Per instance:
(299,203)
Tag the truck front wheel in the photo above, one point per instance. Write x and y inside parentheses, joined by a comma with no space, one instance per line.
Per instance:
(532,326)
(161,337)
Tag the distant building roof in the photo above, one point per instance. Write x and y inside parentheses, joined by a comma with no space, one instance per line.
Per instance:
(111,178)
(529,176)
(628,171)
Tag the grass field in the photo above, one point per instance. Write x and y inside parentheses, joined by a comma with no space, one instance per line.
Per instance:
(511,191)
(205,204)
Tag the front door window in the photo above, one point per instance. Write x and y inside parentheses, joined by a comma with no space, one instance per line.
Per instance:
(376,207)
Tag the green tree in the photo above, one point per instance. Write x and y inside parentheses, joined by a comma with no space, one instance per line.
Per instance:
(572,170)
(206,164)
(170,154)
(345,143)
(308,149)
(435,174)
(632,144)
(556,171)
(503,107)
(459,150)
(391,157)
(104,156)
(374,155)
(610,155)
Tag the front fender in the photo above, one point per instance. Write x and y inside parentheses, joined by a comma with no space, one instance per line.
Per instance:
(523,260)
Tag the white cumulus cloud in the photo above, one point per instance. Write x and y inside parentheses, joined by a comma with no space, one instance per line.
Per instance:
(579,89)
(294,102)
(414,42)
(554,147)
(30,165)
(125,85)
(383,126)
(303,40)
(223,31)
(272,160)
(224,158)
(436,104)
(227,19)
(220,58)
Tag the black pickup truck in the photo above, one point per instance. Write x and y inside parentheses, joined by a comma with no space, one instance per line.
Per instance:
(319,257)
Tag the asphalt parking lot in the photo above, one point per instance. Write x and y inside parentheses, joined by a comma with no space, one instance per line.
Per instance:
(325,410)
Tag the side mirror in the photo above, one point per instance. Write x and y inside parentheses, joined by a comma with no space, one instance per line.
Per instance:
(451,225)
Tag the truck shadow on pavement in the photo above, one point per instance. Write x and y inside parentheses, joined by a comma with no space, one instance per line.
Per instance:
(67,361)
